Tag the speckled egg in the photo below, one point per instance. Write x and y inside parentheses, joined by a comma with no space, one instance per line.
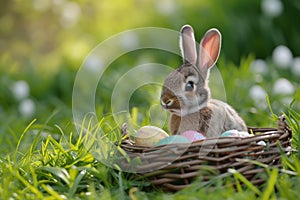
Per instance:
(174,139)
(193,136)
(149,136)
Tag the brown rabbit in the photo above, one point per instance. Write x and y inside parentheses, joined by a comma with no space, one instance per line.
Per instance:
(186,93)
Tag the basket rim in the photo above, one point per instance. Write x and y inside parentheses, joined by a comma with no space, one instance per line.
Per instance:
(264,134)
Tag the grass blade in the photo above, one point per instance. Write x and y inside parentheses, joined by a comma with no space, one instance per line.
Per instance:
(25,182)
(51,191)
(76,182)
(58,172)
(270,186)
(21,138)
(240,177)
(36,139)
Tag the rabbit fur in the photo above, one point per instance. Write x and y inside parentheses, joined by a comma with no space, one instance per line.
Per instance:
(186,94)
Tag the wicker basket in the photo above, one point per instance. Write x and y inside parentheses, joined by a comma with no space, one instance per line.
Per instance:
(173,167)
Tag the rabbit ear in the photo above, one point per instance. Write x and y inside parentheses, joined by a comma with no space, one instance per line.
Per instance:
(188,45)
(209,49)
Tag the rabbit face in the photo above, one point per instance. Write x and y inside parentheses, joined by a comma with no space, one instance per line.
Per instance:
(185,91)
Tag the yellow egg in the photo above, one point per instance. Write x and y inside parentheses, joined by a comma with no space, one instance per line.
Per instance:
(149,136)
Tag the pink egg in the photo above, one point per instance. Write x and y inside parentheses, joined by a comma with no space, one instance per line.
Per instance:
(193,136)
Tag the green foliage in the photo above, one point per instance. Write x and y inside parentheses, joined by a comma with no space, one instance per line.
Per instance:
(66,168)
(44,43)
(54,169)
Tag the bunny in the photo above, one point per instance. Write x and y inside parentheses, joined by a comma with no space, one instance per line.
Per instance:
(186,95)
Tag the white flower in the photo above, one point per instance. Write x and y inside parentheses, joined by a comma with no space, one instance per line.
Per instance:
(166,7)
(70,14)
(282,57)
(27,107)
(296,66)
(257,93)
(59,2)
(20,90)
(283,86)
(129,40)
(272,8)
(259,66)
(41,5)
(93,63)
(286,100)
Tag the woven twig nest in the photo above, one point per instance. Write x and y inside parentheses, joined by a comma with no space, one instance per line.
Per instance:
(173,167)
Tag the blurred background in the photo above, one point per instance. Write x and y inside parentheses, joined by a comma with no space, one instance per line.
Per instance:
(44,42)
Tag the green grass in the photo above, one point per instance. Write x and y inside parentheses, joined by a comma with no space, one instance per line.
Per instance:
(46,158)
(43,157)
(65,167)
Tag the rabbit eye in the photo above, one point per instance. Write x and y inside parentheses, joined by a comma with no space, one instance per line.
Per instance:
(189,86)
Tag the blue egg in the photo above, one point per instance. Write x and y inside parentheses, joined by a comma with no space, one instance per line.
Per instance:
(230,133)
(235,133)
(174,139)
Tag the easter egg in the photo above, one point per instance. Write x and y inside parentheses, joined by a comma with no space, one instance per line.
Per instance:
(230,133)
(174,139)
(149,136)
(235,133)
(244,134)
(193,136)
(262,143)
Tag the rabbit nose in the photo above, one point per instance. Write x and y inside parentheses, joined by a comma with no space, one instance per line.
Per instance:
(168,103)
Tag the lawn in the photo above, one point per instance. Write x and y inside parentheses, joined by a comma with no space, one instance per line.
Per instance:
(50,160)
(71,74)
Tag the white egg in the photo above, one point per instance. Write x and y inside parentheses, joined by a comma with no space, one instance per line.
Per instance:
(262,143)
